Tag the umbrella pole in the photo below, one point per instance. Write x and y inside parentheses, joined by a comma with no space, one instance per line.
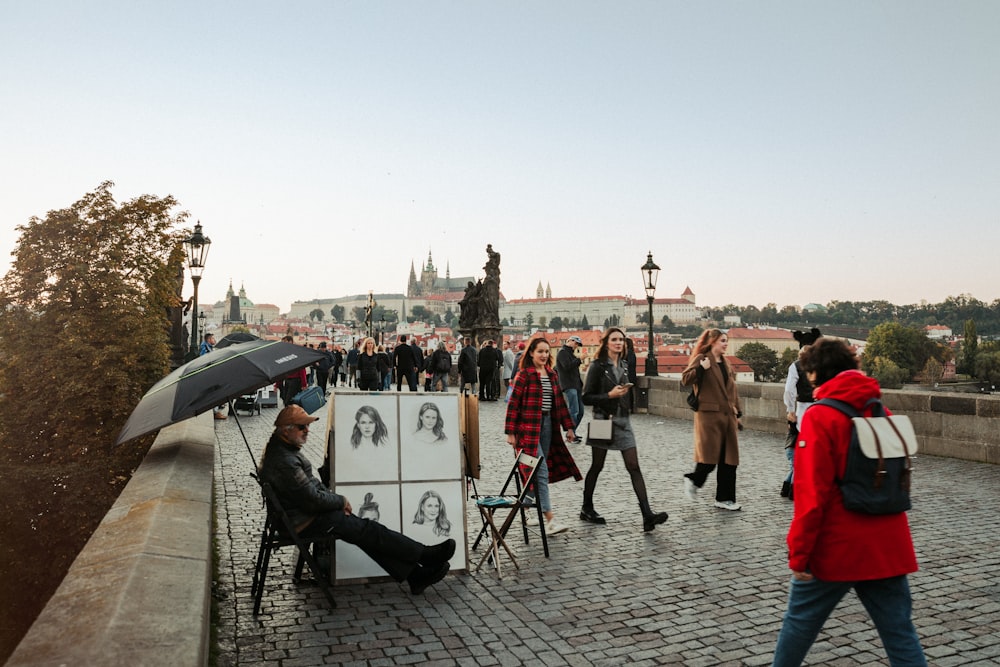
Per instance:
(235,414)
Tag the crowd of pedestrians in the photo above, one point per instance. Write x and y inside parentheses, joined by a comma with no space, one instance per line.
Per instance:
(831,550)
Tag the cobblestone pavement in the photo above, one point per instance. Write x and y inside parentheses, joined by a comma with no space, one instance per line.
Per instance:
(707,588)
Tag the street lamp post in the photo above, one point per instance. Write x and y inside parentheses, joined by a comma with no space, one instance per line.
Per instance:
(201,325)
(650,272)
(197,251)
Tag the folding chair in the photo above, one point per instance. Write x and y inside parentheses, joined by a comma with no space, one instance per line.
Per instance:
(515,505)
(279,532)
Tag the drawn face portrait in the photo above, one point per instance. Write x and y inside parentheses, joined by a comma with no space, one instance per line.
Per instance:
(369,427)
(429,418)
(431,507)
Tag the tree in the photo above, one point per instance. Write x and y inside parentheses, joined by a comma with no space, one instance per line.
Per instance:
(907,347)
(933,372)
(541,321)
(762,359)
(360,313)
(556,323)
(988,367)
(970,345)
(419,314)
(583,323)
(788,357)
(666,322)
(83,331)
(529,319)
(316,314)
(642,318)
(887,372)
(337,313)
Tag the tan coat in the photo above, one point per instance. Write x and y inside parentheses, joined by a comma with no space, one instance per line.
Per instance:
(715,421)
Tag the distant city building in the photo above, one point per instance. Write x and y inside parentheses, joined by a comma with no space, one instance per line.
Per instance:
(430,283)
(778,340)
(622,311)
(938,331)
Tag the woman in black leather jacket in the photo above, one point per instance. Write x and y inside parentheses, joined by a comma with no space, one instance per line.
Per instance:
(607,390)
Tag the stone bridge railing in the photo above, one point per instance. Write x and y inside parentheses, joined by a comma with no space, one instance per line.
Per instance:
(962,426)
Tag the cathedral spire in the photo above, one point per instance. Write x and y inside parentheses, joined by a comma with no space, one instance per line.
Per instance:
(539,293)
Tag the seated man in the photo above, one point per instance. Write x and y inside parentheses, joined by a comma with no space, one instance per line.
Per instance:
(315,510)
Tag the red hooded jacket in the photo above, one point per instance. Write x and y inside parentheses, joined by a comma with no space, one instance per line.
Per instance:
(825,538)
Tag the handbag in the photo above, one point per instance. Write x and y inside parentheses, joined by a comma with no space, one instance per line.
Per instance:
(599,430)
(692,400)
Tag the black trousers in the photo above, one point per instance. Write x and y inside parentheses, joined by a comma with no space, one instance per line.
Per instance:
(725,477)
(394,552)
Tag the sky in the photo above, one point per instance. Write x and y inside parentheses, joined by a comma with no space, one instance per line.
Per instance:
(790,152)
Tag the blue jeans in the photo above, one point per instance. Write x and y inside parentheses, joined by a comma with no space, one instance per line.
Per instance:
(886,600)
(790,455)
(574,404)
(542,474)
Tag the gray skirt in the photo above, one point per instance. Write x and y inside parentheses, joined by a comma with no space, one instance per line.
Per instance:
(622,436)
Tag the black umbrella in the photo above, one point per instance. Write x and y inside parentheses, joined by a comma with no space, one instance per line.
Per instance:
(214,379)
(235,337)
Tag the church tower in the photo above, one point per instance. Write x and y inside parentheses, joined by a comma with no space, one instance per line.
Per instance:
(412,287)
(428,276)
(548,291)
(539,293)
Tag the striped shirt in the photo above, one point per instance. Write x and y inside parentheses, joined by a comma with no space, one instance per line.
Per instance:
(546,393)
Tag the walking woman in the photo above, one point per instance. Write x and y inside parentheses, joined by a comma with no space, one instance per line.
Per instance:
(369,375)
(716,421)
(535,412)
(606,388)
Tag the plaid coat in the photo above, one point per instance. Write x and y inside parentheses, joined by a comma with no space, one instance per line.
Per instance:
(524,420)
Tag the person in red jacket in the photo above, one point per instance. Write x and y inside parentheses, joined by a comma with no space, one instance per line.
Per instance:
(830,548)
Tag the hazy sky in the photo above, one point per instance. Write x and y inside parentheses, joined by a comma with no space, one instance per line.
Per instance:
(789,151)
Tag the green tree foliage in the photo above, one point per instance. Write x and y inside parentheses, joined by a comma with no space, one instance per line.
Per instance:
(888,374)
(584,324)
(762,359)
(988,367)
(907,347)
(419,314)
(83,332)
(556,323)
(970,346)
(788,357)
(317,314)
(529,319)
(337,313)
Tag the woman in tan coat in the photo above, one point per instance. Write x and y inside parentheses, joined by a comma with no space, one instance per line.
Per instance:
(717,419)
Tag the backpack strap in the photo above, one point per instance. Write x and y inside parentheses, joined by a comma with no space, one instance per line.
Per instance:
(841,406)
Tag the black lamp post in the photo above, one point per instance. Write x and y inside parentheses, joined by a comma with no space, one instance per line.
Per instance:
(197,250)
(201,325)
(650,272)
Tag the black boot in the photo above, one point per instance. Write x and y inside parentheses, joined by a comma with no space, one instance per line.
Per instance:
(786,488)
(650,519)
(590,515)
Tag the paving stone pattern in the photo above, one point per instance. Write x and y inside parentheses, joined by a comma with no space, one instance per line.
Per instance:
(707,588)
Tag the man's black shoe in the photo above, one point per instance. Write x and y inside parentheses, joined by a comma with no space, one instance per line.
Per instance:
(592,516)
(437,554)
(423,577)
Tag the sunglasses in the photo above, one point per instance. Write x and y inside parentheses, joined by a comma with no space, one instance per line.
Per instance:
(301,427)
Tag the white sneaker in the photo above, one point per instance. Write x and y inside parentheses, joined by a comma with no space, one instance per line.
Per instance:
(532,520)
(730,505)
(554,528)
(690,490)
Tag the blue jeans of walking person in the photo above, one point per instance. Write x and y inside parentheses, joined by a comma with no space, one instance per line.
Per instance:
(574,404)
(542,474)
(886,600)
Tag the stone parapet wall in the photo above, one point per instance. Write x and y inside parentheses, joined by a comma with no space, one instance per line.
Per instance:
(140,591)
(961,426)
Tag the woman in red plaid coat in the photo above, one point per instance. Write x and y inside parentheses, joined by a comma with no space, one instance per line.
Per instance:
(535,412)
